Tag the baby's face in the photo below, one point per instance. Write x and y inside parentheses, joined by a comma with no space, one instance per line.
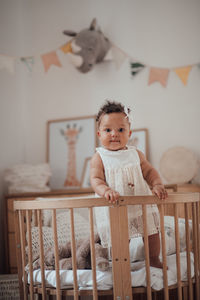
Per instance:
(114,131)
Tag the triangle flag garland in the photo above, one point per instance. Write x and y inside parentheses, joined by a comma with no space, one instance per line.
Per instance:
(136,67)
(115,54)
(49,59)
(183,73)
(8,63)
(160,75)
(29,62)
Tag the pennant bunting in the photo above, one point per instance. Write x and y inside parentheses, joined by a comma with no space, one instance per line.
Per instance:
(118,56)
(136,67)
(8,63)
(29,62)
(67,48)
(49,59)
(183,73)
(160,75)
(115,54)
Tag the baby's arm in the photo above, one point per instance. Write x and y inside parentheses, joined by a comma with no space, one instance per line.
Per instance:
(97,179)
(152,177)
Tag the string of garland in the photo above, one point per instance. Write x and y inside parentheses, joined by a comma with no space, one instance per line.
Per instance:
(117,55)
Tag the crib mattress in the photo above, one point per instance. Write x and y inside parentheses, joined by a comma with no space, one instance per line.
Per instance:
(104,279)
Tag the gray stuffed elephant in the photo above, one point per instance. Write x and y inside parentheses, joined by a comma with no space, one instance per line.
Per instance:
(89,46)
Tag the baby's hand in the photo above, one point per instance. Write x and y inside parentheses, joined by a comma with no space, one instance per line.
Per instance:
(160,191)
(111,195)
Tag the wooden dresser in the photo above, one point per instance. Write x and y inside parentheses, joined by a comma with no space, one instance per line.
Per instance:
(11,260)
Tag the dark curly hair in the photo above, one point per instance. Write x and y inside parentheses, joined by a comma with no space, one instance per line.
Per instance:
(110,107)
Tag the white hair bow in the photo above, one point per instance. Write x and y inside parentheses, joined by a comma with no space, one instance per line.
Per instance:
(128,114)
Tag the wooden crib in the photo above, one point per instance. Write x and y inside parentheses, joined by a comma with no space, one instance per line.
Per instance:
(122,276)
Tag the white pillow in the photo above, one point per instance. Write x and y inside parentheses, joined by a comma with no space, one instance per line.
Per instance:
(136,245)
(170,230)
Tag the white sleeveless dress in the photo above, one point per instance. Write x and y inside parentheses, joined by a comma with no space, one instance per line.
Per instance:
(121,168)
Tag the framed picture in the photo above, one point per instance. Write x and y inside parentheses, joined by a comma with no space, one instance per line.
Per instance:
(139,139)
(69,143)
(85,180)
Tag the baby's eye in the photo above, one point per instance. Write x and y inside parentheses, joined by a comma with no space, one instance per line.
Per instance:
(107,129)
(121,129)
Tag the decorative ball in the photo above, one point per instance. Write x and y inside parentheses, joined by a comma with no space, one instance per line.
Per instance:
(178,165)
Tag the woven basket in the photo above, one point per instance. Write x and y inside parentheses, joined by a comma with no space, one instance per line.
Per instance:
(9,287)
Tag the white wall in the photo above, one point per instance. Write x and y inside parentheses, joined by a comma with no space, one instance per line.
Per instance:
(158,33)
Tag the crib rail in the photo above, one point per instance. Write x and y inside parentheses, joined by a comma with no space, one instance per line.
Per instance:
(122,289)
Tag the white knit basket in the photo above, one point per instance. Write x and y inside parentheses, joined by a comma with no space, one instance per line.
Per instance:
(9,287)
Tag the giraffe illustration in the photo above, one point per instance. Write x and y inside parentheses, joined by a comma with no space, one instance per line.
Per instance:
(71,135)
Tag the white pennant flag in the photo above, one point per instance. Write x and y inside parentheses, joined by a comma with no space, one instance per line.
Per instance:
(108,55)
(8,63)
(118,56)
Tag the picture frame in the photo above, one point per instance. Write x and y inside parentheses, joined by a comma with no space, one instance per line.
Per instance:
(69,142)
(85,180)
(139,139)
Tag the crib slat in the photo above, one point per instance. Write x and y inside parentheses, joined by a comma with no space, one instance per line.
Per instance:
(125,255)
(73,249)
(30,257)
(93,257)
(146,249)
(20,242)
(186,206)
(195,251)
(166,290)
(116,268)
(22,239)
(39,222)
(198,234)
(58,297)
(177,238)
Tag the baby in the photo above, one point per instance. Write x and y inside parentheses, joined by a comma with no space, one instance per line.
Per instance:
(118,169)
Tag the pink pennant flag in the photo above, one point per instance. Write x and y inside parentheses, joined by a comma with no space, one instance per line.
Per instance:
(160,75)
(49,59)
(183,73)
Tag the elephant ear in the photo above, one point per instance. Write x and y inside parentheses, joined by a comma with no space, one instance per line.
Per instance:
(70,32)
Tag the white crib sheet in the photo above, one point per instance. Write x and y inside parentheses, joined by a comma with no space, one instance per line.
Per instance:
(104,279)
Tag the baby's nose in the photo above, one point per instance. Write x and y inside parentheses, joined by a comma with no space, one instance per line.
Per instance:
(114,132)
